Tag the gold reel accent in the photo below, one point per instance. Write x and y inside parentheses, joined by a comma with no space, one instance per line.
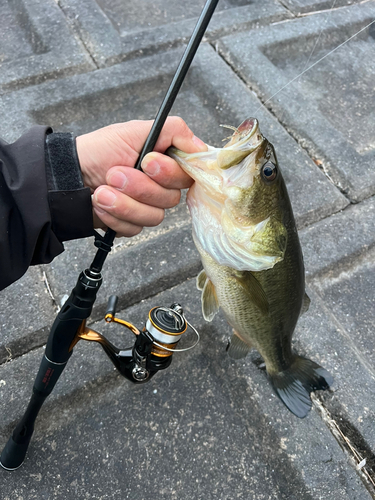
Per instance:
(85,333)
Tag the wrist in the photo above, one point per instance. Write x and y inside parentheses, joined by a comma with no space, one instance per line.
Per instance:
(84,161)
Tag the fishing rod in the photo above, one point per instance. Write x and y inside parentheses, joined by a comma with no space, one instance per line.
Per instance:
(154,345)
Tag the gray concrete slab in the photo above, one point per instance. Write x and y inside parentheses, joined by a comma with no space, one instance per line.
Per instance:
(351,400)
(348,295)
(330,108)
(208,427)
(114,31)
(37,45)
(338,241)
(26,310)
(339,259)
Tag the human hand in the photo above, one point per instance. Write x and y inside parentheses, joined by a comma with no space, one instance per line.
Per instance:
(126,199)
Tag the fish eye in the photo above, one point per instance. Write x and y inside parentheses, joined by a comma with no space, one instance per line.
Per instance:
(269,172)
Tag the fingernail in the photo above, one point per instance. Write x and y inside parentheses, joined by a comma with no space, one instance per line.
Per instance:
(105,198)
(151,167)
(118,180)
(200,144)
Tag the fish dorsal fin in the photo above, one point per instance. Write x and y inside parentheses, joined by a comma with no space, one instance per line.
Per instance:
(305,304)
(237,348)
(201,279)
(210,304)
(254,290)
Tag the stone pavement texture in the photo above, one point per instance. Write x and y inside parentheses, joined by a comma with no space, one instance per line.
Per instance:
(207,427)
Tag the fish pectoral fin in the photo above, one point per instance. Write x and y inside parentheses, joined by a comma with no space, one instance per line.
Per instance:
(271,239)
(210,304)
(237,348)
(254,291)
(305,304)
(201,279)
(293,386)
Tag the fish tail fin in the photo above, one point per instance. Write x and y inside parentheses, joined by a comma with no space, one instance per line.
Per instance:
(293,386)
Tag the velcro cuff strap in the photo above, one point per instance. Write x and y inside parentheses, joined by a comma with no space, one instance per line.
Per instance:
(71,213)
(62,164)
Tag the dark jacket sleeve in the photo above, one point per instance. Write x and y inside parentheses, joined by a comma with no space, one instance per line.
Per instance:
(42,200)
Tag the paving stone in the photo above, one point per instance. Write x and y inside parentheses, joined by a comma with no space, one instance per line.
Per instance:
(114,31)
(355,286)
(346,352)
(207,426)
(340,263)
(37,44)
(26,310)
(330,108)
(304,6)
(337,242)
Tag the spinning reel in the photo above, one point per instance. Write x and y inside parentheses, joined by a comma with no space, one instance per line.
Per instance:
(153,347)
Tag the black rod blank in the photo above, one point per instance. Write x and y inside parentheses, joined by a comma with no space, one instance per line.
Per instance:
(165,107)
(178,79)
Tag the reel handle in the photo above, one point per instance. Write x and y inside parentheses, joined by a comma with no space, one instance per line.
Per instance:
(112,305)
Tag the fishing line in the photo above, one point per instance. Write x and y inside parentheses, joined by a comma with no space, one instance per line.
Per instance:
(317,40)
(315,63)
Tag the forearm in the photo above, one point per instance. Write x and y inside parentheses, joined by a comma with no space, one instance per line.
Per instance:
(42,201)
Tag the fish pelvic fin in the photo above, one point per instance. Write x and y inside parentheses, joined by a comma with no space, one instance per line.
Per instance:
(201,279)
(293,386)
(210,304)
(237,348)
(305,304)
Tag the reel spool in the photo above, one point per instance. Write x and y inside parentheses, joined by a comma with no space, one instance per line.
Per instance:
(166,326)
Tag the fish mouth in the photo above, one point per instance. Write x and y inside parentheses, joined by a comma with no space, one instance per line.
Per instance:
(246,131)
(212,168)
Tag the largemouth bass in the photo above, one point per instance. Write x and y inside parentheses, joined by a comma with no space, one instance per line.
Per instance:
(244,230)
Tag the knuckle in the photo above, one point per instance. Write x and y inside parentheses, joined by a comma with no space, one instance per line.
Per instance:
(177,198)
(158,218)
(181,125)
(124,212)
(134,231)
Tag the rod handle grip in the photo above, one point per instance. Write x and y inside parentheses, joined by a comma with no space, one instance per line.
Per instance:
(14,454)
